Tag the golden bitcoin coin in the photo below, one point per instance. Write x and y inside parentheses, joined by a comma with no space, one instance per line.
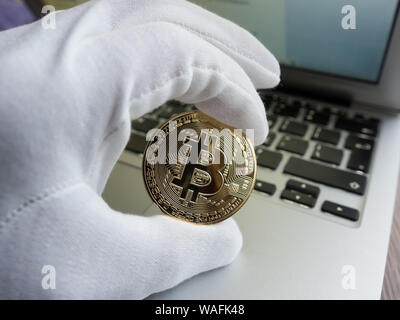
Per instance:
(197,169)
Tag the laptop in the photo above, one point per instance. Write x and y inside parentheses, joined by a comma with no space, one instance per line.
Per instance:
(318,223)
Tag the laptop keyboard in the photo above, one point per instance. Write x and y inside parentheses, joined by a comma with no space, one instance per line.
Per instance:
(316,157)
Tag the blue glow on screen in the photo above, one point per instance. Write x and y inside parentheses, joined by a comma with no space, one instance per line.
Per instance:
(308,34)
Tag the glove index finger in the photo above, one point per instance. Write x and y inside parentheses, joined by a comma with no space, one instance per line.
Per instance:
(256,60)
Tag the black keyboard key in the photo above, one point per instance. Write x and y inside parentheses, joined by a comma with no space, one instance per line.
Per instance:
(359,116)
(293,145)
(189,107)
(294,127)
(341,211)
(339,112)
(327,154)
(137,143)
(298,103)
(271,121)
(356,142)
(176,103)
(281,99)
(318,117)
(303,187)
(333,177)
(168,111)
(298,197)
(269,159)
(269,104)
(326,135)
(359,160)
(144,124)
(271,137)
(310,105)
(267,98)
(283,109)
(265,187)
(374,120)
(358,125)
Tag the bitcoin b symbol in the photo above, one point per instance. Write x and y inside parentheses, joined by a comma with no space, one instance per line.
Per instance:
(203,177)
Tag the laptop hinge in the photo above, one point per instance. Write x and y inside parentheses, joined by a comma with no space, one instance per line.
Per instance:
(324,95)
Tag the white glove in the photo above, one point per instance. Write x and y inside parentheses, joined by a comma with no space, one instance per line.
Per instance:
(67,97)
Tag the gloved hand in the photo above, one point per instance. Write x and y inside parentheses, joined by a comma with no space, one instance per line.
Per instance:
(67,97)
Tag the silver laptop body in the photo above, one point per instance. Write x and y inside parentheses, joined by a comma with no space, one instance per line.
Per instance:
(335,147)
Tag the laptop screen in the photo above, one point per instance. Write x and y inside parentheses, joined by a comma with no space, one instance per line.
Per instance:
(319,35)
